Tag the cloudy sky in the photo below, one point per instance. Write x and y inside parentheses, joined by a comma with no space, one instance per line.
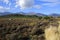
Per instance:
(38,6)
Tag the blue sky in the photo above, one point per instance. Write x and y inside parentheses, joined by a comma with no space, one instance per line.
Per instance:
(38,6)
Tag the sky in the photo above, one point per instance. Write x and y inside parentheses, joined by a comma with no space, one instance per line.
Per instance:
(37,6)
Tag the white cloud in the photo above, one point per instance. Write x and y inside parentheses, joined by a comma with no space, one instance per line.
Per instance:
(3,9)
(51,3)
(25,3)
(16,6)
(37,6)
(5,1)
(50,0)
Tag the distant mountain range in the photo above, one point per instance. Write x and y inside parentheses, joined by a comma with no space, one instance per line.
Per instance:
(5,13)
(54,15)
(30,13)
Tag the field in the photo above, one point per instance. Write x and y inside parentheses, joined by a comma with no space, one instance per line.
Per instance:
(29,28)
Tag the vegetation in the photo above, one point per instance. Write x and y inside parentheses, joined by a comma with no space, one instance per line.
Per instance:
(21,27)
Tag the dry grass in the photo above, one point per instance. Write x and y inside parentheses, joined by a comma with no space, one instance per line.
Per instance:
(53,32)
(28,29)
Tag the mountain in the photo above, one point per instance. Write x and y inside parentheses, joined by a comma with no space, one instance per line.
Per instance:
(33,13)
(54,15)
(5,13)
(41,14)
(30,13)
